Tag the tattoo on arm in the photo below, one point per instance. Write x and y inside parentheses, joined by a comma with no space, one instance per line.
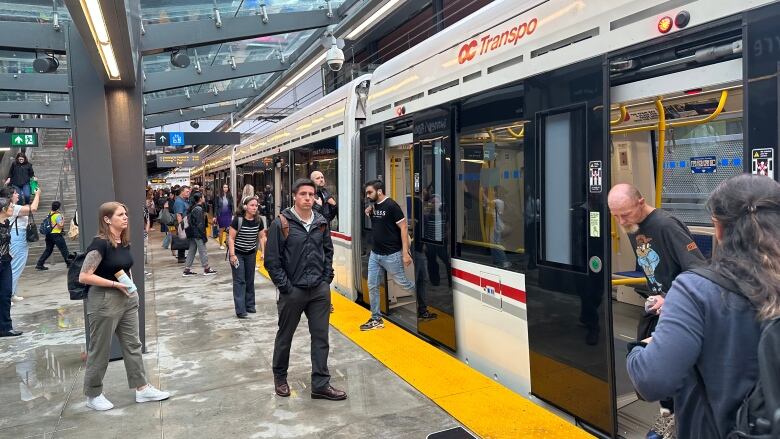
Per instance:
(91,262)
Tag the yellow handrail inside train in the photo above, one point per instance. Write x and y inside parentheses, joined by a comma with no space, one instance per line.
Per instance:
(659,167)
(516,135)
(621,118)
(629,281)
(721,104)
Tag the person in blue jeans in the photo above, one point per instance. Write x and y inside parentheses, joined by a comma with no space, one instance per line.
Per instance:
(390,251)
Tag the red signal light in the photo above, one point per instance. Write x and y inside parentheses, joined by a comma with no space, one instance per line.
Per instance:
(665,24)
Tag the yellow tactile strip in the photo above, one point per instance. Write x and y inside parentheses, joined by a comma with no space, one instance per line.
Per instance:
(485,407)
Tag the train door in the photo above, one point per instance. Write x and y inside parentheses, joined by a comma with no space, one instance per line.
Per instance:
(371,167)
(399,169)
(567,295)
(676,132)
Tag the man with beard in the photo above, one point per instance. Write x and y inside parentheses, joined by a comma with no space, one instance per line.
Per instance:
(664,248)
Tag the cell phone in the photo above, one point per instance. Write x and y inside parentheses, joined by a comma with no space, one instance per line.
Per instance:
(236,264)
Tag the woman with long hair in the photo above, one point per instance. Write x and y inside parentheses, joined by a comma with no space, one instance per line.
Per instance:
(19,176)
(704,351)
(244,234)
(20,248)
(223,213)
(112,309)
(10,214)
(249,191)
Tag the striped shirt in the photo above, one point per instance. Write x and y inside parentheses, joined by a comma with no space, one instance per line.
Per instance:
(246,237)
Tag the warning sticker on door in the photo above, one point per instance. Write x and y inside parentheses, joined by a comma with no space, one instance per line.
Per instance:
(763,162)
(594,177)
(595,224)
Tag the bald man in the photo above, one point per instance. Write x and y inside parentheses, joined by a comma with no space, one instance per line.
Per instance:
(324,202)
(664,248)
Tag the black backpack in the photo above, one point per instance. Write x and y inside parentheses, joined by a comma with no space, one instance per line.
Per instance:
(77,290)
(46,226)
(758,417)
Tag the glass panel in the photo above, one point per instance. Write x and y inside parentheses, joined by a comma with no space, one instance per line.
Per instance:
(490,185)
(557,185)
(433,208)
(36,11)
(321,156)
(563,189)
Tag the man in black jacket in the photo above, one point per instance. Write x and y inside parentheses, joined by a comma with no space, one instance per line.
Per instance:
(299,259)
(196,232)
(324,202)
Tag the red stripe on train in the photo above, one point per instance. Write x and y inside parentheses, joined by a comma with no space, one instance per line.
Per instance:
(341,236)
(505,290)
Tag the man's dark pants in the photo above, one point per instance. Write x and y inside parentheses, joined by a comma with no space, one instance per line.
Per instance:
(315,303)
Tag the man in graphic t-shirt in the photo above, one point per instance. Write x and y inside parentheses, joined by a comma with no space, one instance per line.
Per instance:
(391,248)
(664,248)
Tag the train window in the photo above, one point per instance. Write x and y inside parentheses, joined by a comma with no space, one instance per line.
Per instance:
(490,186)
(563,194)
(433,214)
(321,156)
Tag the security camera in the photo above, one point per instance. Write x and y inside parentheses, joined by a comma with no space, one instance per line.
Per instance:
(335,58)
(195,124)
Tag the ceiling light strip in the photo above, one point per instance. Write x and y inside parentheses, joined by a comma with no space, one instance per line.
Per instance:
(97,25)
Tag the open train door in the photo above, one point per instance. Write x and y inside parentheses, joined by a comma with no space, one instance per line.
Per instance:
(568,297)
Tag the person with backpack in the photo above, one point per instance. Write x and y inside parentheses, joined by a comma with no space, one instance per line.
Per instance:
(51,229)
(299,260)
(181,206)
(112,309)
(708,350)
(196,233)
(243,238)
(10,213)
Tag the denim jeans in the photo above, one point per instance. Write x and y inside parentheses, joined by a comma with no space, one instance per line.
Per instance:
(393,266)
(19,251)
(167,240)
(201,248)
(244,283)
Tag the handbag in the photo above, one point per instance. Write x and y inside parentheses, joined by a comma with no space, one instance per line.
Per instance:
(32,230)
(178,243)
(73,230)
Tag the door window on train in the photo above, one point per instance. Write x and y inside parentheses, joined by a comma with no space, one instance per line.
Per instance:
(490,186)
(563,203)
(321,156)
(434,198)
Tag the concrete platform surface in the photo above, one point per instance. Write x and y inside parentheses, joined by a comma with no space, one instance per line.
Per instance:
(217,367)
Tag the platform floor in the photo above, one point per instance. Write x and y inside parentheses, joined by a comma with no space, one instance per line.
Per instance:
(217,367)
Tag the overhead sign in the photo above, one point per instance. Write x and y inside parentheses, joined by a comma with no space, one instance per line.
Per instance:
(178,160)
(210,138)
(19,140)
(157,181)
(763,162)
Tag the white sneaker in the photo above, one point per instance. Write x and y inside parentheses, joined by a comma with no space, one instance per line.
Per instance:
(99,403)
(151,394)
(221,247)
(16,298)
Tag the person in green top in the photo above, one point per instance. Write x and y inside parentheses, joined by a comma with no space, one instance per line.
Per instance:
(54,238)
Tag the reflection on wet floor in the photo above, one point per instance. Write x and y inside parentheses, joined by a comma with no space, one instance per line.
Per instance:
(217,367)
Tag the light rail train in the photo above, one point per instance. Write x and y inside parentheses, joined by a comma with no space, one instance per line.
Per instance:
(500,137)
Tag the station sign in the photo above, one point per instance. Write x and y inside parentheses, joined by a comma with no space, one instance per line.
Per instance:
(178,138)
(704,165)
(178,160)
(158,180)
(18,140)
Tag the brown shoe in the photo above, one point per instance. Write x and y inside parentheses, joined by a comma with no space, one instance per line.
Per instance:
(282,389)
(329,393)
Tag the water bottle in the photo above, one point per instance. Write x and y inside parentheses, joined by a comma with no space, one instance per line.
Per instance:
(125,280)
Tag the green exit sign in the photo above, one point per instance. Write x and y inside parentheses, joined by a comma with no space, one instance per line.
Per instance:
(19,140)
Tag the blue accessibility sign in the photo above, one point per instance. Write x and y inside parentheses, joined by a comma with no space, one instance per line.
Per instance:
(704,165)
(177,139)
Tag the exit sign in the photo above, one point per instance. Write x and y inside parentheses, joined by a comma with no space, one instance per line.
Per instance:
(18,140)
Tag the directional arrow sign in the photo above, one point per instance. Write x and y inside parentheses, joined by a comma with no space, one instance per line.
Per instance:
(19,139)
(192,138)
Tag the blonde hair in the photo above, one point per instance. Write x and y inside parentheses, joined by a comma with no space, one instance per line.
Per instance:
(249,191)
(107,210)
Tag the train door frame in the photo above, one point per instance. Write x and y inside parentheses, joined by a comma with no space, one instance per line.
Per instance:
(371,144)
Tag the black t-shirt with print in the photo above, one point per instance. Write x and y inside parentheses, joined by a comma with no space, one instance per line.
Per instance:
(113,258)
(246,238)
(384,227)
(664,248)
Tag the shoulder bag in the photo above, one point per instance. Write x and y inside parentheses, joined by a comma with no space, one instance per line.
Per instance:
(32,230)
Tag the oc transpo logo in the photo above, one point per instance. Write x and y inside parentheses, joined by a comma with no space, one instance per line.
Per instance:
(489,43)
